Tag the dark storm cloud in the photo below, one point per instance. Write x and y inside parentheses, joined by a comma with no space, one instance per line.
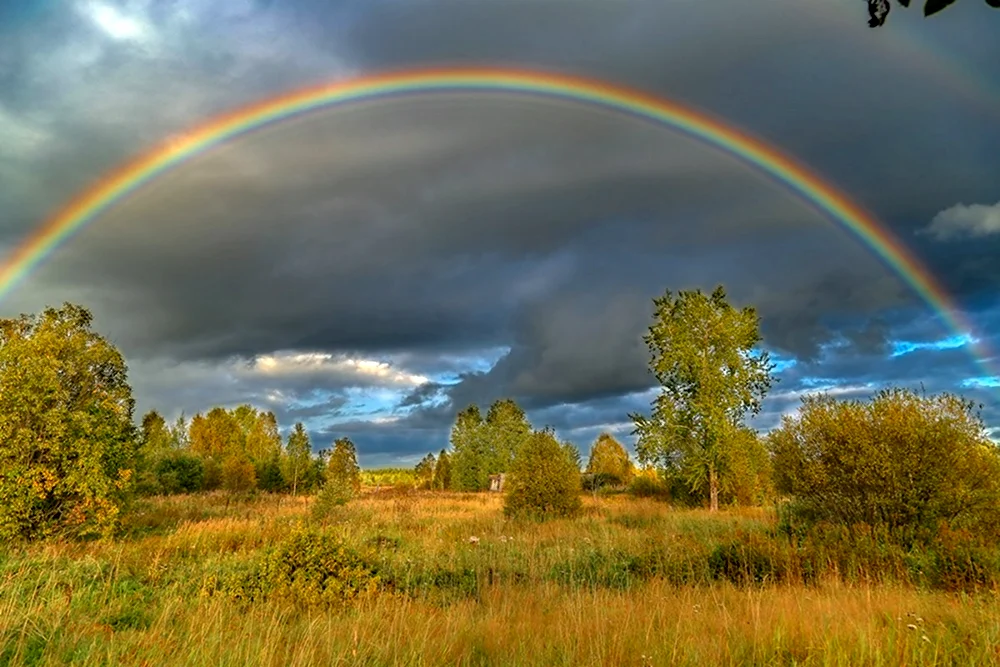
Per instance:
(435,234)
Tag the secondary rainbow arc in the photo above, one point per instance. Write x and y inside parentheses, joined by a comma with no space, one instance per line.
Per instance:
(823,196)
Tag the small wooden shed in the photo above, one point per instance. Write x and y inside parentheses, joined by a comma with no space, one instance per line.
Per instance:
(496,482)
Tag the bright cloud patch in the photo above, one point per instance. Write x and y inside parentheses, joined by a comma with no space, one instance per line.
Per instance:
(901,347)
(114,23)
(959,221)
(286,364)
(986,382)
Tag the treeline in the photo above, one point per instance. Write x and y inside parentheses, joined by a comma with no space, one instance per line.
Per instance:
(237,450)
(482,447)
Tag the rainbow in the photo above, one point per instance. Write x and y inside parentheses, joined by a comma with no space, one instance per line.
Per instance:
(824,197)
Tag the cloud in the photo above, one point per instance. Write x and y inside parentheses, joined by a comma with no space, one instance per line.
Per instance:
(962,221)
(398,259)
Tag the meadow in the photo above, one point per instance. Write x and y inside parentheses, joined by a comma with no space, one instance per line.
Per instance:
(400,577)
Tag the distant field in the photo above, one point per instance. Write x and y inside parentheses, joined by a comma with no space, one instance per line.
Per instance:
(631,583)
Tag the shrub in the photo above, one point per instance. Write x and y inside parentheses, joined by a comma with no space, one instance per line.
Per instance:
(308,568)
(335,493)
(269,477)
(543,481)
(180,473)
(648,485)
(906,462)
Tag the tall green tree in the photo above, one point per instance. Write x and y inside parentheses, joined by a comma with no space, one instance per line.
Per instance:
(67,440)
(703,354)
(343,467)
(505,429)
(298,456)
(442,471)
(424,471)
(469,471)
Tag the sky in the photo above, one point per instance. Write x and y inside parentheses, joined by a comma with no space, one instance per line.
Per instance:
(371,269)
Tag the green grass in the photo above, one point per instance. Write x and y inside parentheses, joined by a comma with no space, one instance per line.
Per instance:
(632,582)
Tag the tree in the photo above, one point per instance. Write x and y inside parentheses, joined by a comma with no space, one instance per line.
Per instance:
(343,465)
(573,452)
(238,474)
(424,471)
(442,471)
(505,428)
(749,481)
(269,477)
(217,434)
(299,456)
(878,10)
(343,478)
(609,463)
(155,442)
(543,482)
(703,357)
(67,440)
(907,462)
(468,461)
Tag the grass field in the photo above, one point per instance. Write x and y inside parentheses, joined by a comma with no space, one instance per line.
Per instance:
(199,580)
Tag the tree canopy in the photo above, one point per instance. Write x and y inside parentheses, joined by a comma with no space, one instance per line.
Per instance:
(68,442)
(703,355)
(878,10)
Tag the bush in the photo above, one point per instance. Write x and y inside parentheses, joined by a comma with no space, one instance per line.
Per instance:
(335,493)
(269,477)
(180,473)
(908,463)
(543,481)
(308,568)
(647,485)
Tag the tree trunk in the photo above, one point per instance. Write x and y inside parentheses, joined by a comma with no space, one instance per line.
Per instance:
(713,489)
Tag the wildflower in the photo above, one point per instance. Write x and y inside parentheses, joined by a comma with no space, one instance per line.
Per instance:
(911,626)
(926,638)
(473,540)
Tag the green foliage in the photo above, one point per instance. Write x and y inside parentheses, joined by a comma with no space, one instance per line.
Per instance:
(573,452)
(343,478)
(907,462)
(269,477)
(609,463)
(442,471)
(543,481)
(343,467)
(703,355)
(178,472)
(216,434)
(298,457)
(308,568)
(469,471)
(484,447)
(647,484)
(238,474)
(505,429)
(68,451)
(424,470)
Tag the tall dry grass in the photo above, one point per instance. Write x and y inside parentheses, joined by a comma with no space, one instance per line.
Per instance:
(606,589)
